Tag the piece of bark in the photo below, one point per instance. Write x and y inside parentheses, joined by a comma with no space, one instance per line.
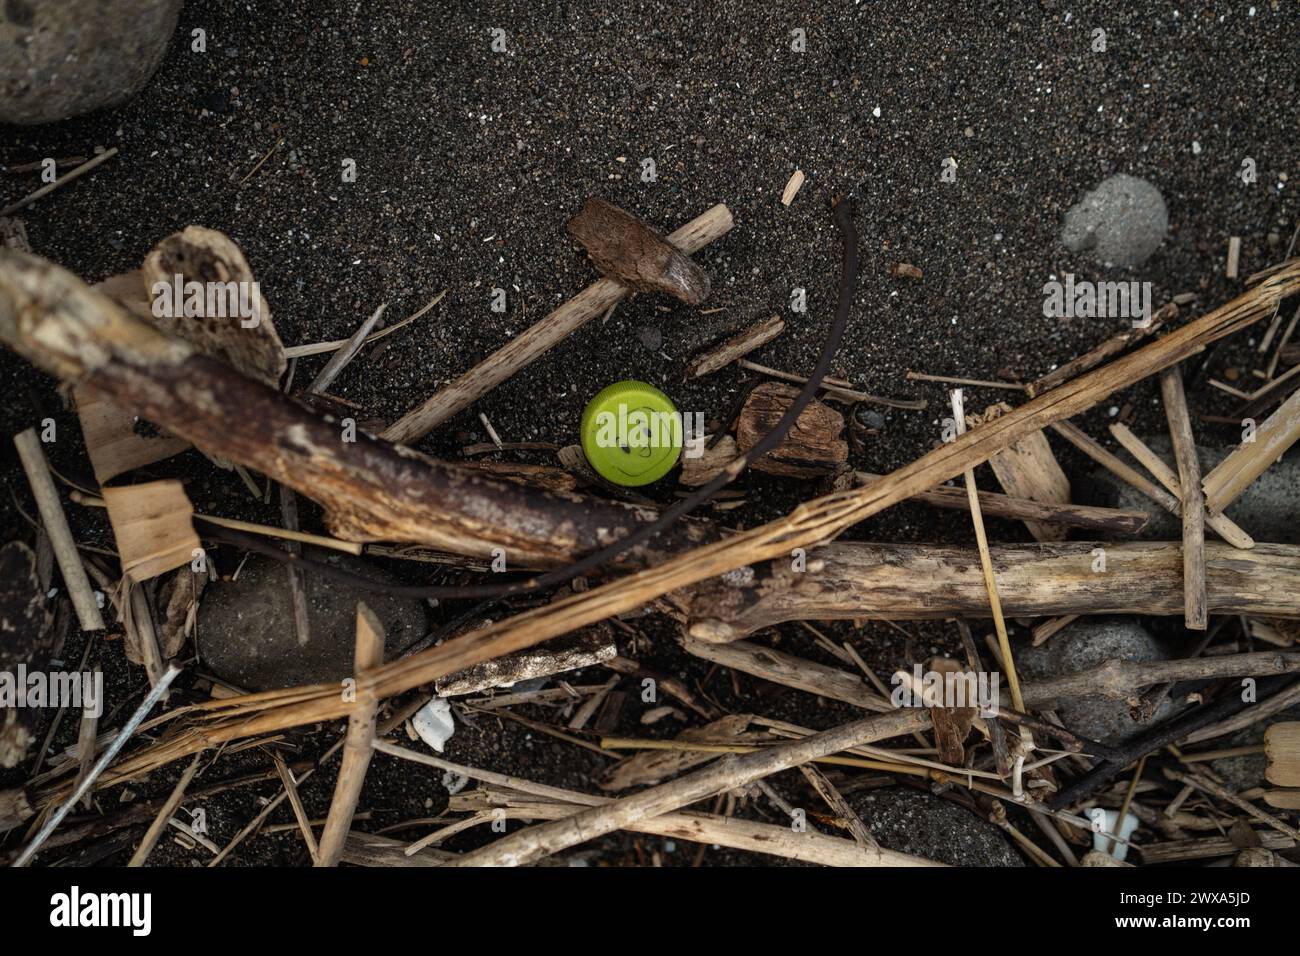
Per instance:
(1028,469)
(371,491)
(114,442)
(585,648)
(153,526)
(547,477)
(25,634)
(738,346)
(812,448)
(625,249)
(912,582)
(697,471)
(13,234)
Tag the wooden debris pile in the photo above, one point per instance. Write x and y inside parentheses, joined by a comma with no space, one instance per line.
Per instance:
(1064,799)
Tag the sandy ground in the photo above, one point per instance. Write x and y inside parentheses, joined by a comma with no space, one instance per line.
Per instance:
(469,162)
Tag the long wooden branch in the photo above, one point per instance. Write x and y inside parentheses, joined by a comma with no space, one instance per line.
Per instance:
(909,581)
(371,490)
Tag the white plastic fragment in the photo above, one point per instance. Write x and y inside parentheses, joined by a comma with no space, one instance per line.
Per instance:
(1100,841)
(433,723)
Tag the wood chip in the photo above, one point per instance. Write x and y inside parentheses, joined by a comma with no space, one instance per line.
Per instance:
(153,526)
(813,446)
(792,187)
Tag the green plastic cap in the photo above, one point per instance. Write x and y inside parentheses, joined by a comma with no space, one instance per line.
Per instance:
(631,433)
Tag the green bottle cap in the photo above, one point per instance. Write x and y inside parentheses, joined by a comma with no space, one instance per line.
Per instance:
(631,433)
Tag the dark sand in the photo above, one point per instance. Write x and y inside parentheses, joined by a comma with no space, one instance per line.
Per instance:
(470,162)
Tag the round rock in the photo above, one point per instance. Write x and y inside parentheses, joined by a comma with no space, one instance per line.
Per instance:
(1086,644)
(246,630)
(924,825)
(1121,222)
(62,58)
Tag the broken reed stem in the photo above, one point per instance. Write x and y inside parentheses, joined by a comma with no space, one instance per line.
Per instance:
(986,561)
(339,360)
(159,824)
(1214,790)
(299,812)
(358,745)
(270,531)
(1196,614)
(811,523)
(1168,500)
(56,526)
(67,177)
(1251,458)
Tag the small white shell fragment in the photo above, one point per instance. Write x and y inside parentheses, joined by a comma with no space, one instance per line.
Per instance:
(434,724)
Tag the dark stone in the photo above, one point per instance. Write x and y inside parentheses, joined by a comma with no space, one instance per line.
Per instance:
(924,825)
(62,58)
(246,633)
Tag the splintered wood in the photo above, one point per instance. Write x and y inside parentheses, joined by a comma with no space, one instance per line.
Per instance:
(1028,469)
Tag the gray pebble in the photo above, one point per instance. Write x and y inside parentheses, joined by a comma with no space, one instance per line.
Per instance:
(1122,221)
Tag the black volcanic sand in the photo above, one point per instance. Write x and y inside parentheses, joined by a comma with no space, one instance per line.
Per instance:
(470,162)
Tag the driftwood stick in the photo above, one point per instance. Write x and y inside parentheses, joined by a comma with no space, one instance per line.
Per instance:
(1221,523)
(1208,786)
(736,347)
(1249,460)
(1119,679)
(56,526)
(359,742)
(535,843)
(371,491)
(1088,517)
(697,827)
(1195,615)
(528,347)
(913,582)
